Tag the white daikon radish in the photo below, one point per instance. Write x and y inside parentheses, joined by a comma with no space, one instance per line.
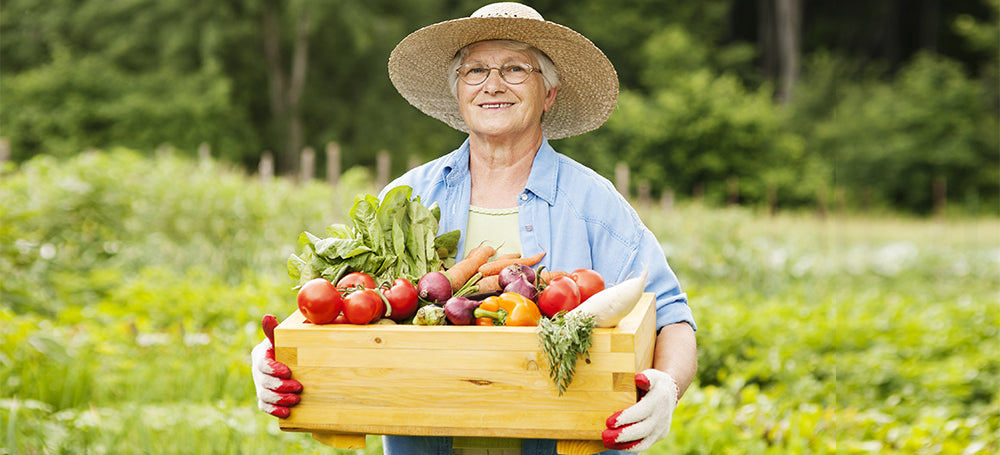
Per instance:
(612,304)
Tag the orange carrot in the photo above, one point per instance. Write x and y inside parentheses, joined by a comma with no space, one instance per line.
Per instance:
(463,270)
(494,267)
(503,257)
(548,275)
(488,284)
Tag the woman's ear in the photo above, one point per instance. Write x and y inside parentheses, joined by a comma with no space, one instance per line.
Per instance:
(550,98)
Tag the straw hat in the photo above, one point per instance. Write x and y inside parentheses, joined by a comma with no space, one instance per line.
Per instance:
(588,83)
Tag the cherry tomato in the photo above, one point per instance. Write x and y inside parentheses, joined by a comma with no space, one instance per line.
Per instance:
(589,281)
(402,297)
(562,294)
(363,306)
(320,301)
(354,279)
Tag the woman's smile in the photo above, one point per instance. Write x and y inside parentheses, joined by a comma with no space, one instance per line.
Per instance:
(495,105)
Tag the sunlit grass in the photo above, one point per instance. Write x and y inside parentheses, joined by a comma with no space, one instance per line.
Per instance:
(843,334)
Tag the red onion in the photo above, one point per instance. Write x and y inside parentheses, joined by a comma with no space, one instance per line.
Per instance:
(434,287)
(522,286)
(459,310)
(510,274)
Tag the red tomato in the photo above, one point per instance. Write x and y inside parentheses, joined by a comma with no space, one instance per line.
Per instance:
(589,281)
(363,306)
(320,301)
(402,297)
(355,279)
(562,294)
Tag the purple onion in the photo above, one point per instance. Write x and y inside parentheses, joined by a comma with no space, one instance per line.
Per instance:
(459,310)
(511,273)
(522,286)
(434,287)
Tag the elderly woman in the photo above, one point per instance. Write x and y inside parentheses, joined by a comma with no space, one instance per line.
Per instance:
(514,81)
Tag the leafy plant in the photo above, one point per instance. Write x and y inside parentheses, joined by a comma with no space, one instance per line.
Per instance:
(392,238)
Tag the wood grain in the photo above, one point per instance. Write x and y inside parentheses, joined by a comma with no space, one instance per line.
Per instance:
(468,381)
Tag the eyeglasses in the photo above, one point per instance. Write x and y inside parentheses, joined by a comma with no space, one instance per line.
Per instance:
(511,73)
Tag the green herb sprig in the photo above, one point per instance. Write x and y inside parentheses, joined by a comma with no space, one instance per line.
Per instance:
(564,338)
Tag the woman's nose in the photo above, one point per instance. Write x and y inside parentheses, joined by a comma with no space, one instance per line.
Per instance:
(494,83)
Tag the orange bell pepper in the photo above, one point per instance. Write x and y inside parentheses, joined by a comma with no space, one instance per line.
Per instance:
(509,309)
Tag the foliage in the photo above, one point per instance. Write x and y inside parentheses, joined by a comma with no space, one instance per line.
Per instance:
(94,74)
(130,304)
(691,129)
(396,237)
(70,231)
(696,99)
(890,141)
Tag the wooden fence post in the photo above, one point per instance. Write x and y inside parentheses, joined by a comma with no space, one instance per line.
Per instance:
(840,200)
(644,192)
(4,153)
(698,193)
(733,190)
(307,166)
(667,200)
(940,194)
(382,166)
(333,163)
(204,154)
(821,200)
(621,178)
(772,199)
(266,166)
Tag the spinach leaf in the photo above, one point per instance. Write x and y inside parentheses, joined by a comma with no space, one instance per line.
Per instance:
(392,238)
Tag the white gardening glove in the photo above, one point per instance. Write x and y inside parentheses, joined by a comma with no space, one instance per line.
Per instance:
(276,392)
(643,424)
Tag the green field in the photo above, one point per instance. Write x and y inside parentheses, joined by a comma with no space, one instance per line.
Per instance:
(132,290)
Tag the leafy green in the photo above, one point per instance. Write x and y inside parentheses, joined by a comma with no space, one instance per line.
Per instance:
(564,338)
(388,239)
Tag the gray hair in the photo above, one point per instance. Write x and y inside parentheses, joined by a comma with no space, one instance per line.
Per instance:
(550,75)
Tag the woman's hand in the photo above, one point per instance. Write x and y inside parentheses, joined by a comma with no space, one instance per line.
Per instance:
(643,424)
(276,392)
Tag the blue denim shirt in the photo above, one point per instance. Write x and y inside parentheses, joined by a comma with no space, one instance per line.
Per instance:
(573,214)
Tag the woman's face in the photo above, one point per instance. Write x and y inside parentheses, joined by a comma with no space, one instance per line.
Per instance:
(497,108)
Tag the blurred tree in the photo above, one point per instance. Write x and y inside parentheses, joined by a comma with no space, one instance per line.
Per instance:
(136,73)
(696,78)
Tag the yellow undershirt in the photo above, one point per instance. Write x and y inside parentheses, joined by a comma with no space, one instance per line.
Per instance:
(497,227)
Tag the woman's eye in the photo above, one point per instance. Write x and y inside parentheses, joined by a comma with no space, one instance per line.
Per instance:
(514,69)
(475,70)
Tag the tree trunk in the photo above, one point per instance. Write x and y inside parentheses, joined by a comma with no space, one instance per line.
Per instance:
(765,37)
(285,88)
(788,34)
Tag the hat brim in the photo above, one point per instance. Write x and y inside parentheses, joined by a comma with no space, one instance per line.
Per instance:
(588,83)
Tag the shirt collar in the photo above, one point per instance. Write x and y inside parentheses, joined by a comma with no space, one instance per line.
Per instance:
(544,173)
(457,165)
(541,181)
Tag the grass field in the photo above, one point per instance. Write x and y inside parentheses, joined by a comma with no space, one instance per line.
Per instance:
(130,304)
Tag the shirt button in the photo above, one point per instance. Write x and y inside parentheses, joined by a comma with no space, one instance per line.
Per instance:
(524,196)
(527,228)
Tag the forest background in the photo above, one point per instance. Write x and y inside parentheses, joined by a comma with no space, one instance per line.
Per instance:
(886,105)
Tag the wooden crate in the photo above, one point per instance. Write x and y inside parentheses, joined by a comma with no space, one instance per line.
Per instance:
(469,381)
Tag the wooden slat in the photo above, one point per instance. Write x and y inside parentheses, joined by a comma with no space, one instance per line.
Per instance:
(515,423)
(457,381)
